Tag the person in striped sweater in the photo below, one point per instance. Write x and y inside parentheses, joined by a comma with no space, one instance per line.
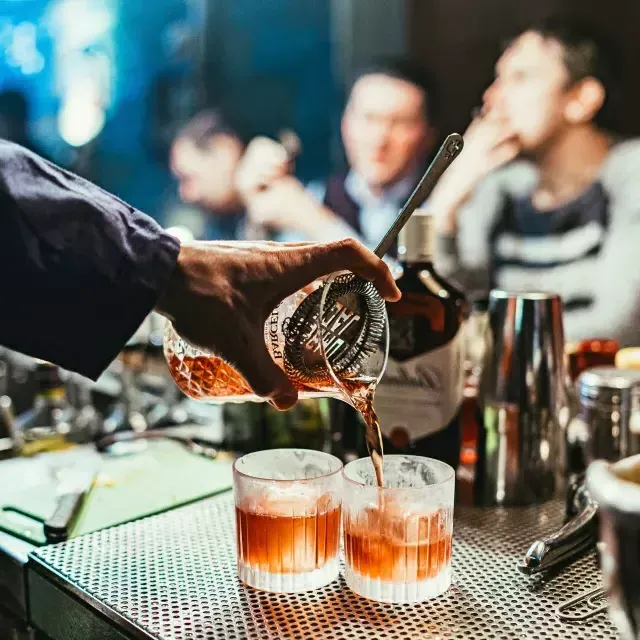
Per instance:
(544,196)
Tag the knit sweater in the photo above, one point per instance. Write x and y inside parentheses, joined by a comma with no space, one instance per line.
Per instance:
(586,250)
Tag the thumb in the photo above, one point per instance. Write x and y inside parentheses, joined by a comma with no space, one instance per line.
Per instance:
(265,377)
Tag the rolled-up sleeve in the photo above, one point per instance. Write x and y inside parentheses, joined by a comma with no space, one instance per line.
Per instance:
(80,269)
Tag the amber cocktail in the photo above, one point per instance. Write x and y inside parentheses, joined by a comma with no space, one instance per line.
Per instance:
(288,504)
(398,539)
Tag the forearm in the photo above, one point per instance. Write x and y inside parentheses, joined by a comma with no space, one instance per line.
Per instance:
(464,225)
(450,265)
(446,200)
(316,221)
(81,268)
(292,208)
(460,249)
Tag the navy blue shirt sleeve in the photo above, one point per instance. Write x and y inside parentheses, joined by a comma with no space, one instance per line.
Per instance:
(79,268)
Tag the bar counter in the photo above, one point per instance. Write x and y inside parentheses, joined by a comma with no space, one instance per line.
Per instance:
(174,576)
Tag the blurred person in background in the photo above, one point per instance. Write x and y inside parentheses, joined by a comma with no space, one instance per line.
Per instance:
(205,156)
(544,196)
(389,135)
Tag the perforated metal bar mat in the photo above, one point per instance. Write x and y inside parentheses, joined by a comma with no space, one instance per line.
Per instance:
(174,576)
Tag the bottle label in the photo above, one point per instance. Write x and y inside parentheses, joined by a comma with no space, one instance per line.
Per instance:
(422,395)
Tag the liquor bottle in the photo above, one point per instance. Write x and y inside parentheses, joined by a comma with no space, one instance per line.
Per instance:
(419,398)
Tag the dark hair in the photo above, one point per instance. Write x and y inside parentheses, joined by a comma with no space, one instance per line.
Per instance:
(204,126)
(409,71)
(586,53)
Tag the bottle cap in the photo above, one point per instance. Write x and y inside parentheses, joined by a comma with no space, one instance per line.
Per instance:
(417,238)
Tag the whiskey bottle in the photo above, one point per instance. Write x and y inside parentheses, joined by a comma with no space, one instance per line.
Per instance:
(419,398)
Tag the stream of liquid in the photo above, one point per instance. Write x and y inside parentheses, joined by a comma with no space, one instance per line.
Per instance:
(210,377)
(361,394)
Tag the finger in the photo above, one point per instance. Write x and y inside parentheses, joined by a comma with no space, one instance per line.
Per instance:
(271,174)
(315,261)
(474,125)
(490,128)
(264,376)
(264,174)
(270,151)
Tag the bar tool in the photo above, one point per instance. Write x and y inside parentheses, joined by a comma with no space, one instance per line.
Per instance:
(72,490)
(606,426)
(524,400)
(197,446)
(448,152)
(591,600)
(575,537)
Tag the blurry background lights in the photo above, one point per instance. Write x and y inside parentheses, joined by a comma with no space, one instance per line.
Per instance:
(81,116)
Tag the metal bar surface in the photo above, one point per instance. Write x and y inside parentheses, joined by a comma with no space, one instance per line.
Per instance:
(174,576)
(14,554)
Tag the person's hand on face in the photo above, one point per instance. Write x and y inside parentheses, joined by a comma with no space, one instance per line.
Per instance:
(489,143)
(221,294)
(265,161)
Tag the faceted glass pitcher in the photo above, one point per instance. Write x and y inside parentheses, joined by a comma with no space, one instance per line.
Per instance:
(351,343)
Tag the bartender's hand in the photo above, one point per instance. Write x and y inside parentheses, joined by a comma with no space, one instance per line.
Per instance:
(222,293)
(489,143)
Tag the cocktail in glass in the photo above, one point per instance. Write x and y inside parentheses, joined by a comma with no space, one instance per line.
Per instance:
(288,506)
(398,539)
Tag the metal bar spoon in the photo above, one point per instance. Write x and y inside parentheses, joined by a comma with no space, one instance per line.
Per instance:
(448,152)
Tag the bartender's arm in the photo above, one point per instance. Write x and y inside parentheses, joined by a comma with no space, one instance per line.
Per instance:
(80,270)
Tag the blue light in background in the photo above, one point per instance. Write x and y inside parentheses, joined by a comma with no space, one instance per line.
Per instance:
(114,77)
(87,68)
